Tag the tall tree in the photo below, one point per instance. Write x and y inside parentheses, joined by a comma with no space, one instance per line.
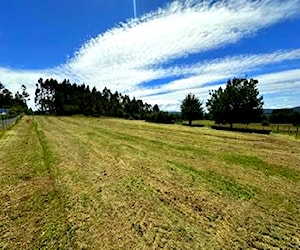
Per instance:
(191,108)
(15,103)
(239,102)
(65,98)
(155,108)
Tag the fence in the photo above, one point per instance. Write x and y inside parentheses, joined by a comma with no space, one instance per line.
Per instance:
(288,129)
(7,121)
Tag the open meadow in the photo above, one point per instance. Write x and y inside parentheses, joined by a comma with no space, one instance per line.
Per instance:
(287,129)
(87,183)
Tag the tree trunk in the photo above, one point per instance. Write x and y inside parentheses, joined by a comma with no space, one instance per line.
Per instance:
(230,125)
(190,122)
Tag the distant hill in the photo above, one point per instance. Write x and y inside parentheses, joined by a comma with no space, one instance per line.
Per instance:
(297,109)
(269,111)
(174,113)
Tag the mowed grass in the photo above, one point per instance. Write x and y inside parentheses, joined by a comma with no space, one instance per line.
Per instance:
(87,183)
(287,129)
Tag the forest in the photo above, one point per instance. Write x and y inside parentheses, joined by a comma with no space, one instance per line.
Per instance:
(54,98)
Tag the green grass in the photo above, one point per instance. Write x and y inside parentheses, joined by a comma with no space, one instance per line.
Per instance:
(256,163)
(217,183)
(87,183)
(35,208)
(275,128)
(288,129)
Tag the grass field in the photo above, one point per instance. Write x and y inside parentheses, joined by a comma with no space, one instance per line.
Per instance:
(288,129)
(86,183)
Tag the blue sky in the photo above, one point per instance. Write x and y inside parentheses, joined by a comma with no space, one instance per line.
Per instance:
(160,53)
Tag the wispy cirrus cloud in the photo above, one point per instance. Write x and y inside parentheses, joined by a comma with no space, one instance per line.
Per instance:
(285,81)
(14,78)
(219,69)
(279,89)
(132,54)
(136,51)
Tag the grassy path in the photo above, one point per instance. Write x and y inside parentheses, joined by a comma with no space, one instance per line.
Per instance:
(83,183)
(32,207)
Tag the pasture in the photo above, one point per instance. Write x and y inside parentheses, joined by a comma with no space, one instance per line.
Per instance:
(87,183)
(285,129)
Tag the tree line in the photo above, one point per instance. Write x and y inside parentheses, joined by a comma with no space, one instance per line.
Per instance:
(285,116)
(54,98)
(238,102)
(14,103)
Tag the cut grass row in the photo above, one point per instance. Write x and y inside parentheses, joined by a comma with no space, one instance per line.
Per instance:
(32,208)
(113,184)
(275,128)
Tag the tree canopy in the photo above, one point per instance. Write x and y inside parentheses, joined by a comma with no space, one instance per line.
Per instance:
(285,116)
(191,108)
(52,97)
(239,102)
(15,103)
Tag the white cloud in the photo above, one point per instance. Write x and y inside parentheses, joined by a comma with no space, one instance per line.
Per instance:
(126,56)
(219,69)
(280,82)
(13,79)
(280,89)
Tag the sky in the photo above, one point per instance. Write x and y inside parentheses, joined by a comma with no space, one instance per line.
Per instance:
(155,50)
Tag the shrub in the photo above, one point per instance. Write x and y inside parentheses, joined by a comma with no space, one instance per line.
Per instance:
(265,123)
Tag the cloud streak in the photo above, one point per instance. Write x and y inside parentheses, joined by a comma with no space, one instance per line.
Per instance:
(136,52)
(221,69)
(280,89)
(177,31)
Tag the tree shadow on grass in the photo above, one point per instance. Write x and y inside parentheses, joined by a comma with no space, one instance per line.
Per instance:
(193,125)
(243,130)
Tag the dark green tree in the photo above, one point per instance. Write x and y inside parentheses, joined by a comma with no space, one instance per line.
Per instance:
(191,108)
(15,103)
(155,108)
(296,119)
(239,102)
(54,98)
(285,116)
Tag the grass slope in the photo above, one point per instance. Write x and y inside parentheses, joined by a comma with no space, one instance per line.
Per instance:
(85,183)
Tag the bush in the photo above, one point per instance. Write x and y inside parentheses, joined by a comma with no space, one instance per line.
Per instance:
(244,130)
(161,117)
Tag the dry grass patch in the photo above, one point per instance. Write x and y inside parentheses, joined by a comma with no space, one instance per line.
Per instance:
(117,184)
